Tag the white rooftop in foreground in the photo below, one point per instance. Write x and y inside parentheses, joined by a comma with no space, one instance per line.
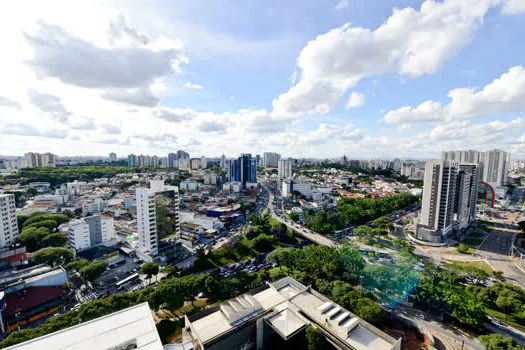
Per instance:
(134,325)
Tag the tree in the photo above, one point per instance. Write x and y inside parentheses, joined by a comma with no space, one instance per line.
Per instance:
(31,192)
(353,261)
(32,237)
(370,311)
(53,256)
(463,249)
(93,270)
(508,304)
(294,217)
(54,240)
(499,342)
(315,340)
(466,309)
(77,264)
(382,222)
(149,269)
(50,224)
(363,231)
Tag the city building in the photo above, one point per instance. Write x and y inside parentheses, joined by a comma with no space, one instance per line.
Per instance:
(112,157)
(195,164)
(204,162)
(243,169)
(34,160)
(132,161)
(8,223)
(148,201)
(284,168)
(223,162)
(270,159)
(437,208)
(91,231)
(495,167)
(467,193)
(304,188)
(131,328)
(286,188)
(210,179)
(184,164)
(172,160)
(496,164)
(276,316)
(182,155)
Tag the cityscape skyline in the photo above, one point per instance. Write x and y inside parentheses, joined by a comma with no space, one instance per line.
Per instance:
(168,77)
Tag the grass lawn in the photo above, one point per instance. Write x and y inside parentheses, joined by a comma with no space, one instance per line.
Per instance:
(475,264)
(472,241)
(513,319)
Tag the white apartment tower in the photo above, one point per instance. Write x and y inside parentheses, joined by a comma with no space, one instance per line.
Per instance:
(91,231)
(437,209)
(284,169)
(147,201)
(271,159)
(495,167)
(8,224)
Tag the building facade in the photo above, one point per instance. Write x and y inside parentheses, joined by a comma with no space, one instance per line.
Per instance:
(132,161)
(148,201)
(91,231)
(437,208)
(243,169)
(495,167)
(284,168)
(8,223)
(271,159)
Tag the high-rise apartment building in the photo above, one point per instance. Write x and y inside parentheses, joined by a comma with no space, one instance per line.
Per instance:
(91,231)
(162,198)
(466,193)
(223,162)
(495,163)
(8,224)
(182,155)
(172,160)
(284,168)
(34,160)
(495,167)
(132,161)
(112,157)
(271,159)
(243,169)
(439,193)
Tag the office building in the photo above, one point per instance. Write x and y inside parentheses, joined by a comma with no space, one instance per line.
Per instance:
(182,155)
(270,159)
(304,188)
(438,204)
(8,224)
(112,157)
(132,161)
(469,156)
(223,163)
(195,164)
(91,231)
(243,169)
(495,167)
(148,201)
(131,328)
(184,164)
(466,193)
(204,162)
(284,168)
(276,315)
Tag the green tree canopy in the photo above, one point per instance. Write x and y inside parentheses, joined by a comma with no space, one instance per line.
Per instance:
(53,256)
(499,342)
(32,237)
(150,269)
(91,271)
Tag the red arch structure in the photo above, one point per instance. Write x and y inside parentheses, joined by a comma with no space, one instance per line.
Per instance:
(491,190)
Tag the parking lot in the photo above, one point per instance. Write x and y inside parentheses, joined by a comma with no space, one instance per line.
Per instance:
(108,279)
(248,266)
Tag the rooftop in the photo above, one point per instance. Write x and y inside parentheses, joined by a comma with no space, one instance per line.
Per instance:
(132,328)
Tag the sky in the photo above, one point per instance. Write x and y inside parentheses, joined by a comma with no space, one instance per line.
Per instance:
(322,79)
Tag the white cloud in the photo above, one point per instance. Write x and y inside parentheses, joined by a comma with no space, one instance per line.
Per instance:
(49,104)
(22,129)
(191,85)
(511,7)
(6,102)
(341,5)
(355,100)
(504,94)
(410,42)
(142,96)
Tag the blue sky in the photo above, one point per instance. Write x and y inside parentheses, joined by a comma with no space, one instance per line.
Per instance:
(303,78)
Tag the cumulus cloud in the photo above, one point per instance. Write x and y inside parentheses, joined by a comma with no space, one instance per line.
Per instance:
(138,96)
(329,132)
(191,85)
(174,115)
(504,94)
(50,104)
(411,42)
(355,100)
(212,126)
(82,123)
(511,7)
(22,129)
(109,129)
(6,102)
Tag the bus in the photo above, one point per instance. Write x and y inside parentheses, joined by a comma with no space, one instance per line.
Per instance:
(127,281)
